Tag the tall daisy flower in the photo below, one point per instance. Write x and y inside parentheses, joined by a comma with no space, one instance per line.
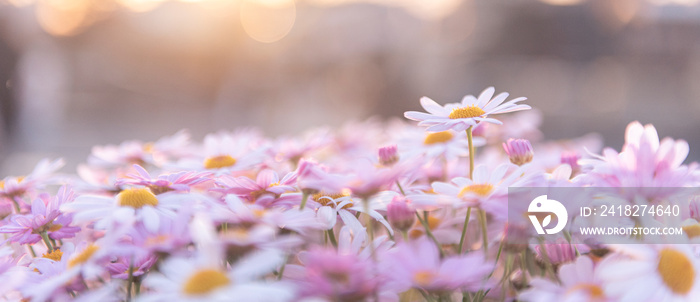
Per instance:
(469,112)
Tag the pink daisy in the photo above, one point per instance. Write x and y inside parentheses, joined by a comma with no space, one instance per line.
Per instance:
(418,265)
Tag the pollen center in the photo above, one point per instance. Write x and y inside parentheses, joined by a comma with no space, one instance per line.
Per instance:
(466,112)
(423,278)
(326,199)
(83,256)
(594,291)
(692,231)
(219,161)
(205,281)
(478,189)
(437,137)
(137,198)
(55,255)
(676,270)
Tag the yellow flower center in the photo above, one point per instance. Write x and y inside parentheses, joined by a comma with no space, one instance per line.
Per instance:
(55,255)
(478,189)
(83,256)
(437,137)
(423,278)
(692,231)
(219,161)
(466,112)
(205,281)
(326,199)
(54,227)
(676,271)
(594,291)
(137,198)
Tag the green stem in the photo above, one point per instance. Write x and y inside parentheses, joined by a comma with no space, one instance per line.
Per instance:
(400,188)
(372,248)
(464,230)
(471,151)
(430,234)
(545,258)
(466,296)
(16,206)
(130,280)
(31,250)
(484,235)
(47,242)
(498,256)
(370,229)
(281,273)
(426,296)
(304,198)
(137,287)
(331,236)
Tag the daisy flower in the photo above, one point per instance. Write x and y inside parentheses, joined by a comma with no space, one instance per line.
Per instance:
(651,273)
(183,279)
(45,217)
(224,152)
(266,188)
(460,116)
(131,205)
(332,276)
(418,265)
(487,190)
(120,269)
(414,141)
(643,162)
(16,187)
(579,282)
(180,181)
(332,205)
(124,154)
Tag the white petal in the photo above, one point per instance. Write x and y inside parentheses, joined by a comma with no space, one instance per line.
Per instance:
(432,107)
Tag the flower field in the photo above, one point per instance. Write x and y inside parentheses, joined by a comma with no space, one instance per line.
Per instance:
(373,211)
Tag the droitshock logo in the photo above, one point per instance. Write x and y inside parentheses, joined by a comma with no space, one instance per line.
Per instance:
(551,207)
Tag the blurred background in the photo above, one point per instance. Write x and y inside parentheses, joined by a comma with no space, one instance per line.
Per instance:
(77,73)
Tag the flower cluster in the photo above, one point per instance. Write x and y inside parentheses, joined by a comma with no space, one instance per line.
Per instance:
(373,212)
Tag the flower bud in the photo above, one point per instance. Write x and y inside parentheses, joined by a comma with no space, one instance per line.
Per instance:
(400,214)
(695,208)
(556,253)
(388,155)
(519,151)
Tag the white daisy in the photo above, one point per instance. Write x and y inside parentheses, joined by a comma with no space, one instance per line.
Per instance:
(225,152)
(651,273)
(332,205)
(487,189)
(130,206)
(182,279)
(579,282)
(414,141)
(460,116)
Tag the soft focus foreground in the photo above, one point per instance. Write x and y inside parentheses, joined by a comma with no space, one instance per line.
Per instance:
(372,212)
